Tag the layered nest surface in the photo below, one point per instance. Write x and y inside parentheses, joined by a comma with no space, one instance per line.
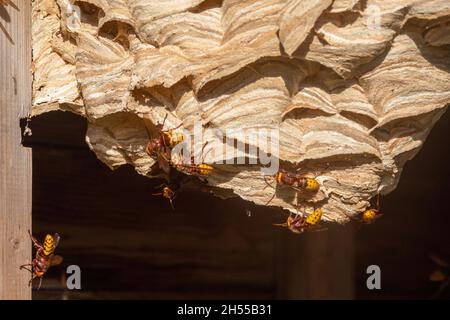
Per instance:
(350,87)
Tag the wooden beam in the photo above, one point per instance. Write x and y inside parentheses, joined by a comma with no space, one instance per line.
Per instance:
(315,265)
(15,160)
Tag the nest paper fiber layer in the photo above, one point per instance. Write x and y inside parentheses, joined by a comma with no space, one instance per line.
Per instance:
(354,87)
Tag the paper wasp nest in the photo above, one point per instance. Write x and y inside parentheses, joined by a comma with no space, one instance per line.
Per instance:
(351,87)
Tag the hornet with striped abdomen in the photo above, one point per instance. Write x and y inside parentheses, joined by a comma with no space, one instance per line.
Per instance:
(167,139)
(45,257)
(160,148)
(371,214)
(298,182)
(300,224)
(201,169)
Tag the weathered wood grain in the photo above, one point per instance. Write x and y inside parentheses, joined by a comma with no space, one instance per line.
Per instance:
(15,160)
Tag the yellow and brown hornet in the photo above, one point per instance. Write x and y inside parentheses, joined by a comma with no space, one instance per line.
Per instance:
(45,257)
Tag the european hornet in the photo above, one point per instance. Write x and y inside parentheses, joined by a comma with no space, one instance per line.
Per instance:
(440,275)
(370,215)
(298,182)
(160,148)
(170,189)
(175,179)
(299,224)
(45,257)
(168,192)
(167,139)
(201,169)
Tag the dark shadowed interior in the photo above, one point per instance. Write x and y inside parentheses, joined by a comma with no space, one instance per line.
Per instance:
(130,244)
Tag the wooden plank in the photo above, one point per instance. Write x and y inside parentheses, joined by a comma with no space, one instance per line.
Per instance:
(316,265)
(15,160)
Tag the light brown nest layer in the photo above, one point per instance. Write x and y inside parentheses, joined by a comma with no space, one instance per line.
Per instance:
(353,87)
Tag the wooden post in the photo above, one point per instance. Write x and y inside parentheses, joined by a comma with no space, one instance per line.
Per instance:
(315,265)
(15,160)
